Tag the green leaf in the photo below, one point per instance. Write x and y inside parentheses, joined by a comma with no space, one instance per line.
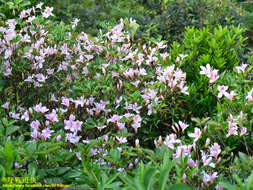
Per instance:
(227,186)
(32,168)
(149,174)
(2,130)
(129,181)
(133,28)
(31,148)
(238,180)
(110,179)
(164,175)
(11,129)
(63,170)
(249,182)
(180,187)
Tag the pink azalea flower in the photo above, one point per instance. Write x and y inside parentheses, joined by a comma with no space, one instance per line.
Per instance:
(137,142)
(214,76)
(14,115)
(249,95)
(241,68)
(40,109)
(209,178)
(78,155)
(121,140)
(35,124)
(46,133)
(207,142)
(6,105)
(222,91)
(230,95)
(206,70)
(196,135)
(16,165)
(120,125)
(75,22)
(232,129)
(35,134)
(47,12)
(52,116)
(8,53)
(215,150)
(58,138)
(183,125)
(39,6)
(130,166)
(65,101)
(120,169)
(25,116)
(243,131)
(170,141)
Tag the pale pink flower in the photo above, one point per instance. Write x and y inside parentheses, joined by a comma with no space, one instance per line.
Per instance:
(160,45)
(241,68)
(22,14)
(196,135)
(206,70)
(121,140)
(206,159)
(75,22)
(249,95)
(16,165)
(65,101)
(46,133)
(50,71)
(215,150)
(14,115)
(58,138)
(130,166)
(183,151)
(209,72)
(214,76)
(170,141)
(120,125)
(137,119)
(207,142)
(8,53)
(164,55)
(209,178)
(222,91)
(35,124)
(243,131)
(39,6)
(25,116)
(52,116)
(6,105)
(136,126)
(183,125)
(78,155)
(47,12)
(137,142)
(10,34)
(40,109)
(232,129)
(11,23)
(35,134)
(8,72)
(120,169)
(230,95)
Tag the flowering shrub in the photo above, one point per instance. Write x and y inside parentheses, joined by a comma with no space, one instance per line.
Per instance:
(221,48)
(82,109)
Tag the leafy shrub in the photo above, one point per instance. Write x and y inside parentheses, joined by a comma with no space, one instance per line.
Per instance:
(80,110)
(221,48)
